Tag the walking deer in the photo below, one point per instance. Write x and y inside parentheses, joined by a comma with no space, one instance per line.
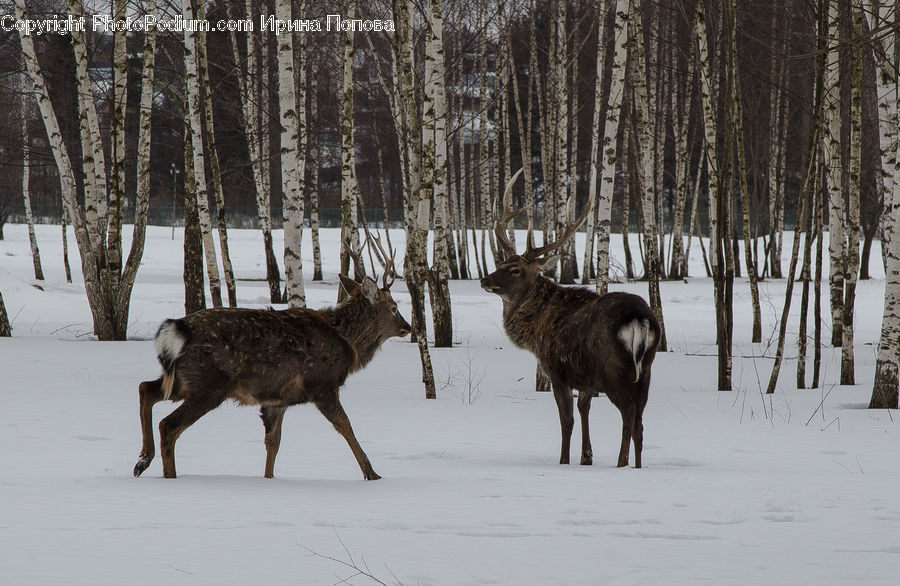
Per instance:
(269,358)
(582,340)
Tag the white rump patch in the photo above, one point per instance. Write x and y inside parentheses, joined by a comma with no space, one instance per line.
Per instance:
(169,342)
(637,336)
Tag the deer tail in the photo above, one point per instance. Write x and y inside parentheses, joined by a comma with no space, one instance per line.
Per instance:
(170,340)
(637,336)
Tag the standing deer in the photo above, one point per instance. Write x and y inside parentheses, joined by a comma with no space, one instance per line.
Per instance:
(273,359)
(582,340)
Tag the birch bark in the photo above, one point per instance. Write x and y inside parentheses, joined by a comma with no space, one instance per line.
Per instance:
(292,163)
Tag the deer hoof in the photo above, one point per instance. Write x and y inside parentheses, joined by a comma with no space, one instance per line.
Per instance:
(142,464)
(587,459)
(371,476)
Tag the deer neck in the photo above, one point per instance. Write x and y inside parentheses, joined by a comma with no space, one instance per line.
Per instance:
(520,315)
(355,322)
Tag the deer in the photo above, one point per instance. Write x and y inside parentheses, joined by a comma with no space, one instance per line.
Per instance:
(582,340)
(273,359)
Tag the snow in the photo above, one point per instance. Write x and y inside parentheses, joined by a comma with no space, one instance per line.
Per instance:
(738,487)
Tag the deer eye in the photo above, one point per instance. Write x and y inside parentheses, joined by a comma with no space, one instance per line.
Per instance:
(515,271)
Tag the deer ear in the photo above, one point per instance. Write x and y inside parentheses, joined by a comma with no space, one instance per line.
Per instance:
(549,263)
(369,289)
(349,285)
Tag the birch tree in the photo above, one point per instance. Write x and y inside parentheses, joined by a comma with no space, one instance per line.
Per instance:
(108,290)
(737,112)
(292,163)
(195,135)
(646,168)
(251,93)
(879,13)
(435,128)
(835,174)
(215,169)
(349,185)
(852,262)
(885,385)
(604,169)
(313,184)
(26,188)
(718,185)
(415,266)
(5,329)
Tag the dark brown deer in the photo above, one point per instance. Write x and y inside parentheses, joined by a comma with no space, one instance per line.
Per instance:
(582,340)
(273,359)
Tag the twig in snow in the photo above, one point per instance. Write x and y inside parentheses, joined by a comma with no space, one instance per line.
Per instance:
(360,571)
(821,403)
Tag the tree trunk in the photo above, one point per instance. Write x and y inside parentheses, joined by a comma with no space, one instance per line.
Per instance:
(349,185)
(26,189)
(195,136)
(885,384)
(436,98)
(719,185)
(836,243)
(738,114)
(409,132)
(879,13)
(5,329)
(607,174)
(313,174)
(651,266)
(293,162)
(194,299)
(197,7)
(776,123)
(142,203)
(852,262)
(65,246)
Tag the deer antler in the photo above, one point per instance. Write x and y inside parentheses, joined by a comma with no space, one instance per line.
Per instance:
(387,262)
(508,214)
(532,252)
(359,270)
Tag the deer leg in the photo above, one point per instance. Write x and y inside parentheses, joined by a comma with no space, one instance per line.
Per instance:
(638,436)
(150,393)
(333,411)
(584,408)
(628,418)
(171,427)
(563,396)
(272,418)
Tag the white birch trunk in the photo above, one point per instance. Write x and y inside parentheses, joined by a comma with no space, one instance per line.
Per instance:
(26,188)
(852,259)
(313,186)
(93,161)
(646,169)
(110,272)
(212,150)
(292,165)
(885,385)
(607,174)
(349,186)
(195,117)
(879,12)
(100,310)
(409,133)
(435,93)
(142,203)
(834,177)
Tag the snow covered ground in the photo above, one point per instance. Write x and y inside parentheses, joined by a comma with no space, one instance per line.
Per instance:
(738,488)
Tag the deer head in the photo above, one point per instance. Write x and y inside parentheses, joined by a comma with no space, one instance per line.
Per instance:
(515,275)
(379,299)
